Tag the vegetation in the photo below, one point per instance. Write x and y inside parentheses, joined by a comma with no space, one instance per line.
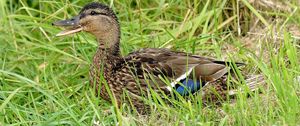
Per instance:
(44,79)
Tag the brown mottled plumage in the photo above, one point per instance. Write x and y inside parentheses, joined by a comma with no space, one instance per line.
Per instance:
(142,70)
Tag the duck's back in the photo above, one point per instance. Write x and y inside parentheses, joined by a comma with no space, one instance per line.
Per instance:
(166,70)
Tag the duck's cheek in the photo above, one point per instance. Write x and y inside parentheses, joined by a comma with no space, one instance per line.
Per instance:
(84,28)
(88,28)
(104,24)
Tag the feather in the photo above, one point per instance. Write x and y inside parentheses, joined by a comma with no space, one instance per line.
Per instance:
(182,77)
(188,86)
(253,82)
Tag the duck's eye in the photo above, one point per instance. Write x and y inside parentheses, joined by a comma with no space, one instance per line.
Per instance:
(93,12)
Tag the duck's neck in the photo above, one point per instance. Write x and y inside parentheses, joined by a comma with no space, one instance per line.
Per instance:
(108,52)
(110,40)
(110,45)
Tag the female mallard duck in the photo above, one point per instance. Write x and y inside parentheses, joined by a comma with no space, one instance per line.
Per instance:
(159,70)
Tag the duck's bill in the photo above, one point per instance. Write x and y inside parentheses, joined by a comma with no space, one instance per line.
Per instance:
(69,31)
(71,26)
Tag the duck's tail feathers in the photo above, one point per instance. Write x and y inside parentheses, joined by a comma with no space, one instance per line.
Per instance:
(253,83)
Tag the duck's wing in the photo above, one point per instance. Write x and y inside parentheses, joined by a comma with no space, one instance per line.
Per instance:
(185,72)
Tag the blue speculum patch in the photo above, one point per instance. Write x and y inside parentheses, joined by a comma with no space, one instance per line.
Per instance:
(188,86)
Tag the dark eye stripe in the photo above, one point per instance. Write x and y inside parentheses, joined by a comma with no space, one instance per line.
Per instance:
(96,13)
(82,16)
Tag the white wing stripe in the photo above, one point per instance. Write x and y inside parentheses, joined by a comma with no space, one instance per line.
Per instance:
(179,78)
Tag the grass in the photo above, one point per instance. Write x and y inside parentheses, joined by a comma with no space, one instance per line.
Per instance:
(44,79)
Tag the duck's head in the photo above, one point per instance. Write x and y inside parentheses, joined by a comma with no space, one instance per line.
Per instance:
(95,18)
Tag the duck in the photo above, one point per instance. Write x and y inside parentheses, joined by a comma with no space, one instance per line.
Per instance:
(149,70)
